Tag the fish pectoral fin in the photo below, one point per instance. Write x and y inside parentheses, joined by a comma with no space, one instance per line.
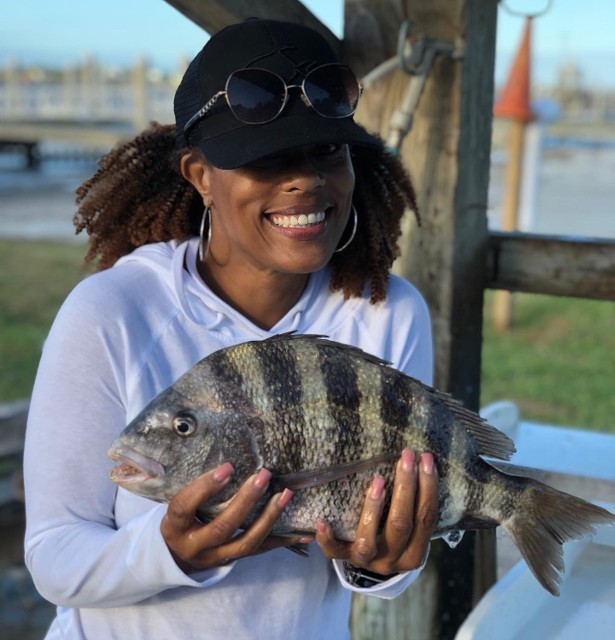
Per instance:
(300,548)
(315,477)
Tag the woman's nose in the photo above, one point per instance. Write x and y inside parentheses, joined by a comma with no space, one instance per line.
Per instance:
(304,173)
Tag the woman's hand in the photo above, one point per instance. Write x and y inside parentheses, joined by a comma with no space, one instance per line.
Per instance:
(409,525)
(197,546)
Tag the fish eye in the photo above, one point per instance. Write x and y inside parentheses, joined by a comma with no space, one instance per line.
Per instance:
(184,426)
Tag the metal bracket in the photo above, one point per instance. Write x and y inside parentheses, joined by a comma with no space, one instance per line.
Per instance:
(416,55)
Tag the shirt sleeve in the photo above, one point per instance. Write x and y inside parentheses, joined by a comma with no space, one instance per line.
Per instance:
(387,590)
(76,554)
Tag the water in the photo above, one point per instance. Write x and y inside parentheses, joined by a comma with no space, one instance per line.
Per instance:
(575,194)
(453,538)
(40,203)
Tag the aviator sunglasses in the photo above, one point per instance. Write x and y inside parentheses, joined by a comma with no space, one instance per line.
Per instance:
(258,96)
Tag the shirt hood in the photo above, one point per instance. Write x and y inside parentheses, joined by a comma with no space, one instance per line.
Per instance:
(174,263)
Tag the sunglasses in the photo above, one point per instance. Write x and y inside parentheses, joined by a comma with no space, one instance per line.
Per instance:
(258,96)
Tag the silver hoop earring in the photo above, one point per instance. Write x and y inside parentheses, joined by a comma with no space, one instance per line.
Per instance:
(352,235)
(204,249)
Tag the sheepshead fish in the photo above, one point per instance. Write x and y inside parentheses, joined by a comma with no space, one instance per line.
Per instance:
(324,417)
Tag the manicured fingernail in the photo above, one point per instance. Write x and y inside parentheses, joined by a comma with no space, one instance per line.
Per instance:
(285,498)
(321,526)
(224,472)
(306,540)
(262,478)
(377,488)
(407,460)
(427,462)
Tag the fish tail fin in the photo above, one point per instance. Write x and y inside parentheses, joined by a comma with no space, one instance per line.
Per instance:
(546,519)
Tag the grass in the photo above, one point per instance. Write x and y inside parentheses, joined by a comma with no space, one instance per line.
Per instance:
(557,362)
(35,277)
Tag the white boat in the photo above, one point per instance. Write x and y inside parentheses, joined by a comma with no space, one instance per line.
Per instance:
(517,607)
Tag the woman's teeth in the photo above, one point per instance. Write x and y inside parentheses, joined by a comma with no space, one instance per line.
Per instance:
(298,221)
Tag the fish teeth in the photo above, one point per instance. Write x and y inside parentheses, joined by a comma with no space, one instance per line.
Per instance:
(302,220)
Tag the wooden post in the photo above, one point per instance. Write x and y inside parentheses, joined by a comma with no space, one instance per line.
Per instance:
(13,89)
(513,103)
(70,92)
(503,300)
(448,155)
(140,114)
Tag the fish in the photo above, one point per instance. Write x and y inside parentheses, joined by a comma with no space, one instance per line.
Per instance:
(325,417)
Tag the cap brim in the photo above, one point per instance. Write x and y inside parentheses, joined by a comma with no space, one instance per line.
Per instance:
(249,143)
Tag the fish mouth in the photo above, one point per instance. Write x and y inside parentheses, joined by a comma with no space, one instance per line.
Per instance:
(135,467)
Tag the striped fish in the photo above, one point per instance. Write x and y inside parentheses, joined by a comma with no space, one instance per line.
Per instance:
(324,418)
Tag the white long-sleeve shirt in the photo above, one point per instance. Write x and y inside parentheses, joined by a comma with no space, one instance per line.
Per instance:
(96,550)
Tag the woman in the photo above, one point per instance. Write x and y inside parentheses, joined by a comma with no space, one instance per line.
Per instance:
(265,209)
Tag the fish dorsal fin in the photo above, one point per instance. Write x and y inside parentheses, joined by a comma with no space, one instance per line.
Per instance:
(315,477)
(492,442)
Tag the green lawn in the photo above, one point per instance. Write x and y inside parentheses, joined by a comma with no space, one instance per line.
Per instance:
(557,362)
(34,279)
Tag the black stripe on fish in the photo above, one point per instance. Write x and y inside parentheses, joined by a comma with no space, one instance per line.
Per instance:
(396,409)
(343,397)
(279,371)
(284,388)
(227,377)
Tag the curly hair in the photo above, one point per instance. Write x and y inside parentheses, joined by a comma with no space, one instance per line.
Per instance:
(138,196)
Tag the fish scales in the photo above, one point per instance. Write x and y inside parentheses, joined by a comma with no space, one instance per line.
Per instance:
(324,418)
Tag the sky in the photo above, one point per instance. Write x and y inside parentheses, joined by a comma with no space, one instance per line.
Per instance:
(117,32)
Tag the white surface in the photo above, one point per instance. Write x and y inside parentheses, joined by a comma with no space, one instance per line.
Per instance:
(518,607)
(560,449)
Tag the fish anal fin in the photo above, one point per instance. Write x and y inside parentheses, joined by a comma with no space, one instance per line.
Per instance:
(316,477)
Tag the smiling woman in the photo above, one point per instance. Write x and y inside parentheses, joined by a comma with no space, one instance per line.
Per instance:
(261,211)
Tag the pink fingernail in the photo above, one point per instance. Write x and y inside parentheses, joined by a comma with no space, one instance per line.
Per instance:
(377,488)
(321,526)
(427,462)
(407,460)
(262,479)
(285,498)
(224,472)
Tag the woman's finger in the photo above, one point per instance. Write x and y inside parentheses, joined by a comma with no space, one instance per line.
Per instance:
(183,507)
(331,547)
(400,519)
(425,514)
(252,540)
(365,545)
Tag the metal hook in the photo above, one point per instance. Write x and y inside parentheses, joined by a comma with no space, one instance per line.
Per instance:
(525,14)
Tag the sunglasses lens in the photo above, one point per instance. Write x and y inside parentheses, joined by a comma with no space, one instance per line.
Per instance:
(333,91)
(255,96)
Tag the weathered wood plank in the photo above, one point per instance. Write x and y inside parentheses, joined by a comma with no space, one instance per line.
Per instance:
(448,155)
(560,266)
(214,15)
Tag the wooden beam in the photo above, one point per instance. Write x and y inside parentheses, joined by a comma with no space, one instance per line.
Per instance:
(213,15)
(448,155)
(559,266)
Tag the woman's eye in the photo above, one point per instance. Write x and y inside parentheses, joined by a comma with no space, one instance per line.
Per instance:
(328,149)
(184,425)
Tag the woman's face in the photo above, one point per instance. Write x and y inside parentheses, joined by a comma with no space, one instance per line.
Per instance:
(285,213)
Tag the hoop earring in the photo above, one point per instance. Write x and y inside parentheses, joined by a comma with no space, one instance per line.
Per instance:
(204,249)
(352,235)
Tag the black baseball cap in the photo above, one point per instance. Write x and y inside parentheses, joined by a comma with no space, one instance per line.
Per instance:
(285,48)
